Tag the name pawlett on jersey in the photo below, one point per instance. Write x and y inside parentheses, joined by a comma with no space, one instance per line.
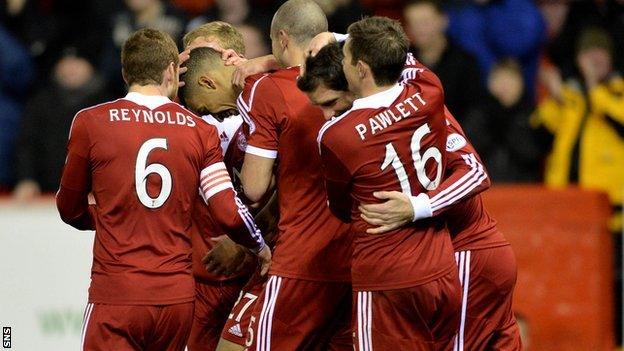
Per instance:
(149,116)
(391,115)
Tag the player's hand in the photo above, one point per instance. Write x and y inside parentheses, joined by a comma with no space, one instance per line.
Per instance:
(318,42)
(254,66)
(232,58)
(389,215)
(226,257)
(264,260)
(182,58)
(185,55)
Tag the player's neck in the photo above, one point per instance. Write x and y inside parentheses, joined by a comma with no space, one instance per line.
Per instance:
(153,90)
(296,57)
(372,89)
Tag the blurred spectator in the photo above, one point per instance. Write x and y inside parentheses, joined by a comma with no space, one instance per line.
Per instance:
(501,132)
(16,74)
(341,13)
(492,30)
(157,14)
(255,43)
(237,13)
(194,7)
(426,24)
(388,8)
(47,119)
(47,26)
(586,118)
(565,21)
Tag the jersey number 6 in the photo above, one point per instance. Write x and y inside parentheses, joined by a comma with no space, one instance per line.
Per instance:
(419,162)
(141,171)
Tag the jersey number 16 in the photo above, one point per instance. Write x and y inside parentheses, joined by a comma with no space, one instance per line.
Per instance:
(419,162)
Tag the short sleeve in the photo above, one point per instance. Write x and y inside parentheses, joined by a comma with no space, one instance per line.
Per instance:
(261,104)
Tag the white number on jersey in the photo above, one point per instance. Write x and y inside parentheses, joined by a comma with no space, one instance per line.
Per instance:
(419,162)
(141,171)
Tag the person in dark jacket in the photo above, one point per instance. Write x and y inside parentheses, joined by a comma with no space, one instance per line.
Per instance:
(16,74)
(459,71)
(47,119)
(511,149)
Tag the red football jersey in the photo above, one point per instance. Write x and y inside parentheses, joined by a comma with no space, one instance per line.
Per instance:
(233,142)
(392,140)
(469,223)
(311,243)
(144,159)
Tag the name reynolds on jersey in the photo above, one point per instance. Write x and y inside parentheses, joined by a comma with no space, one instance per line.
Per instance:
(391,115)
(149,116)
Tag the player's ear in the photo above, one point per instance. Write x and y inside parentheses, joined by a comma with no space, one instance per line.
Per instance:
(207,82)
(283,38)
(363,68)
(170,72)
(123,75)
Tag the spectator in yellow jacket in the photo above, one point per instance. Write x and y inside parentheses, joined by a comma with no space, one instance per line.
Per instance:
(586,119)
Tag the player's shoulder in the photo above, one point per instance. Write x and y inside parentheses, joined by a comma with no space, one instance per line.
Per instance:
(95,109)
(87,114)
(336,130)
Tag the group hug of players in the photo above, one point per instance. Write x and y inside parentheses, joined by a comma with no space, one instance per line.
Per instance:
(361,182)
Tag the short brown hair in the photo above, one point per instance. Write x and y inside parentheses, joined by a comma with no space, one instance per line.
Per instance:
(382,44)
(145,56)
(228,36)
(324,68)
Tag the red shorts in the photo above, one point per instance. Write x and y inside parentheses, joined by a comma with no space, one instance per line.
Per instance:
(145,328)
(294,314)
(213,303)
(236,329)
(424,317)
(488,277)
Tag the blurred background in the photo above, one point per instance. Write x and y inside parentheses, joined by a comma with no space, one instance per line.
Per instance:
(535,84)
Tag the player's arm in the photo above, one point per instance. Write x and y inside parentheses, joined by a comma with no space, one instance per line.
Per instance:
(256,175)
(465,177)
(72,197)
(248,68)
(262,106)
(337,184)
(230,212)
(227,258)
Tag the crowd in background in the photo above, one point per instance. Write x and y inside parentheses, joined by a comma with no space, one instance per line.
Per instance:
(535,84)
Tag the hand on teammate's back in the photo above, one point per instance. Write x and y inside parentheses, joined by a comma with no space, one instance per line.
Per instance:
(226,257)
(389,215)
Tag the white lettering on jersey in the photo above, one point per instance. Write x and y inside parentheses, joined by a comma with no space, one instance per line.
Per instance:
(393,114)
(149,116)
